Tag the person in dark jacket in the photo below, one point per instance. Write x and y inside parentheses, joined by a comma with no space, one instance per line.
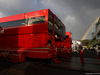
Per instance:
(81,55)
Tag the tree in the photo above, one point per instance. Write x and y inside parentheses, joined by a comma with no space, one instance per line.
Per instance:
(86,42)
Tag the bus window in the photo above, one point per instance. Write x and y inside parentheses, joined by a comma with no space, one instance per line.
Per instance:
(62,31)
(67,36)
(13,23)
(36,20)
(57,24)
(50,23)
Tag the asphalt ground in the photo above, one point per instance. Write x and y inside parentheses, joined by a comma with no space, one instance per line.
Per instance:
(70,66)
(74,63)
(30,68)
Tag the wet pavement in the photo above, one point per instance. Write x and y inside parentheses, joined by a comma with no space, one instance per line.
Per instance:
(69,66)
(29,68)
(74,63)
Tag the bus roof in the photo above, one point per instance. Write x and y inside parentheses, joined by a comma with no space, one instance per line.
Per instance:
(22,16)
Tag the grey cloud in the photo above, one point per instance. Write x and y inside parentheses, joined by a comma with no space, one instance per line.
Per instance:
(77,15)
(13,7)
(84,11)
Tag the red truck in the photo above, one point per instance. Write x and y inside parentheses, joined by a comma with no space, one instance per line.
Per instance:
(33,35)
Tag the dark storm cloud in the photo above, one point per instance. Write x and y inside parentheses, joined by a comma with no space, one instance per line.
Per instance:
(12,7)
(77,15)
(85,12)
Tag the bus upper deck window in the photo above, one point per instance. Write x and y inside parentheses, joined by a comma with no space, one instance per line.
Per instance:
(37,20)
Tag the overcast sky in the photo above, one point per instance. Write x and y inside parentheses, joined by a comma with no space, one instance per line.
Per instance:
(77,15)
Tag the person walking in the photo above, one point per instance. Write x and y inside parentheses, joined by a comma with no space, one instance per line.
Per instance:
(81,55)
(98,53)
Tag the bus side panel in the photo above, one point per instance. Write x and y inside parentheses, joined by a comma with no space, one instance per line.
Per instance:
(32,41)
(37,53)
(39,47)
(9,41)
(23,41)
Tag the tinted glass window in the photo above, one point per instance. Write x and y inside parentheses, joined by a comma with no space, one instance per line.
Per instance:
(67,36)
(57,26)
(37,20)
(13,23)
(50,23)
(62,31)
(23,22)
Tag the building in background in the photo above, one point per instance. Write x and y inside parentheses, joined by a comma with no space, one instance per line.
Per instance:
(75,45)
(96,34)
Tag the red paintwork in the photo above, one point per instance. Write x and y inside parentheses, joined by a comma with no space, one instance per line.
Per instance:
(68,42)
(19,42)
(68,45)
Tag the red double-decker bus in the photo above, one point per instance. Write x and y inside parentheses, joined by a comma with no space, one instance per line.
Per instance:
(67,45)
(68,41)
(31,35)
(59,42)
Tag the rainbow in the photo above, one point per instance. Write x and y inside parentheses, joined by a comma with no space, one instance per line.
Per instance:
(89,29)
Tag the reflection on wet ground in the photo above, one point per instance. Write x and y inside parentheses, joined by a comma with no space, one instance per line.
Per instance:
(68,66)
